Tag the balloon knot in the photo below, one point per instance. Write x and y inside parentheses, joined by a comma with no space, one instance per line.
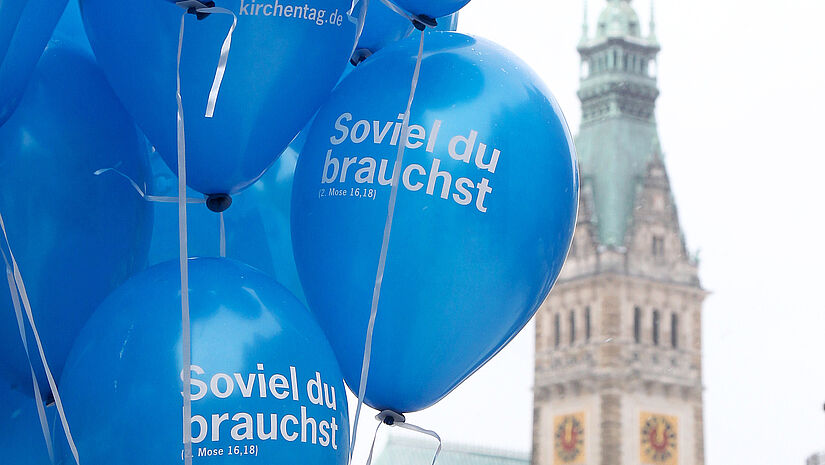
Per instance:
(389,418)
(359,56)
(218,202)
(421,22)
(201,15)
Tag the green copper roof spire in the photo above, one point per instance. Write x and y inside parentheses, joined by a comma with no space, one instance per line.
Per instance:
(652,34)
(618,96)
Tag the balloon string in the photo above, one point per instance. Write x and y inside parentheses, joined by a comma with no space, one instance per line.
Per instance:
(400,421)
(222,236)
(186,347)
(359,22)
(221,69)
(41,412)
(144,195)
(21,289)
(392,6)
(184,266)
(382,259)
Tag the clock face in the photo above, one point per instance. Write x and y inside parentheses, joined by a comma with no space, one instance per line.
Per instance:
(658,439)
(568,439)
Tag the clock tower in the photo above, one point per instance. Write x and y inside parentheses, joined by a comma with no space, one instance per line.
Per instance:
(618,375)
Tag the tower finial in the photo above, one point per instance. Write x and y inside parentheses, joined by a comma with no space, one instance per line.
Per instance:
(652,34)
(584,24)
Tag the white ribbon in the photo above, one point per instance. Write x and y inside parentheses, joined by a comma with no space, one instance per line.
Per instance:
(359,22)
(41,411)
(227,43)
(24,298)
(392,6)
(382,258)
(222,237)
(144,195)
(184,266)
(221,69)
(186,347)
(402,423)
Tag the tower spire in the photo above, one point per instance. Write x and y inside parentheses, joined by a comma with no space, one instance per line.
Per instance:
(652,34)
(585,32)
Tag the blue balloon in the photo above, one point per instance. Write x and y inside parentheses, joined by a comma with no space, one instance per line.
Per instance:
(256,225)
(21,437)
(265,384)
(483,221)
(25,28)
(382,27)
(432,8)
(283,62)
(76,236)
(70,28)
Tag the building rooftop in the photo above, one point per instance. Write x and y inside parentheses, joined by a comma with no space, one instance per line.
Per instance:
(403,450)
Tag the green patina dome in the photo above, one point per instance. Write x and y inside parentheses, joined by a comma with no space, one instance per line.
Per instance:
(618,20)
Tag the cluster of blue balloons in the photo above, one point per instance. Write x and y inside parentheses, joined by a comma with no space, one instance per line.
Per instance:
(301,125)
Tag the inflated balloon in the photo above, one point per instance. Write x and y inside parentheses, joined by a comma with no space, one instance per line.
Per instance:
(382,27)
(265,384)
(257,224)
(282,63)
(21,437)
(484,216)
(76,236)
(70,27)
(432,8)
(25,28)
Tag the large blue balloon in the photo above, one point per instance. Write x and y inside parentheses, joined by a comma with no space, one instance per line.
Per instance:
(432,8)
(25,27)
(283,62)
(265,384)
(76,236)
(21,437)
(256,225)
(483,220)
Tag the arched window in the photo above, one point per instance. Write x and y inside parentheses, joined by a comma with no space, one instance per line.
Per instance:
(587,323)
(572,327)
(637,325)
(556,330)
(657,246)
(655,327)
(674,330)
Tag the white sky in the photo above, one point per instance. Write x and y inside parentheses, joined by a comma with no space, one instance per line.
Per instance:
(741,123)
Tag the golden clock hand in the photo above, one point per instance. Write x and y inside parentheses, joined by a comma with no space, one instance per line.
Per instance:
(660,433)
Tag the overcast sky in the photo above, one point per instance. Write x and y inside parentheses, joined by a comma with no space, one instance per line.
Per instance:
(741,123)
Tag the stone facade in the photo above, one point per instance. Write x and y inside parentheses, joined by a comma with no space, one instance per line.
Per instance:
(619,339)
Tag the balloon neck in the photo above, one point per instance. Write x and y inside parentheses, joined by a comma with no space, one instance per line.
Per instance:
(192,7)
(421,22)
(389,418)
(359,56)
(218,202)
